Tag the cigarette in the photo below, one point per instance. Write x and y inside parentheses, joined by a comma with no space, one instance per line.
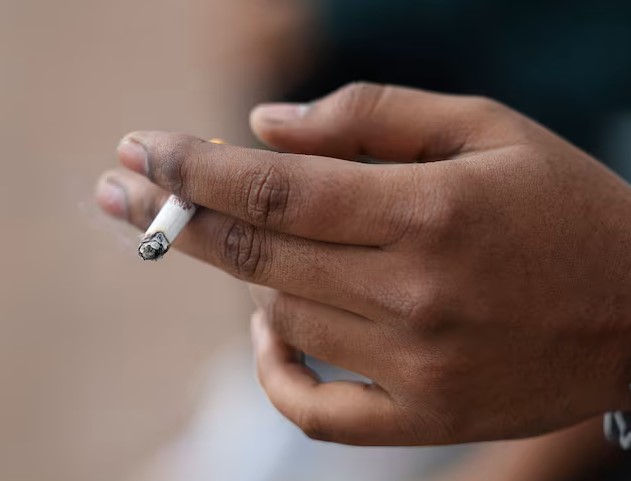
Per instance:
(168,224)
(165,228)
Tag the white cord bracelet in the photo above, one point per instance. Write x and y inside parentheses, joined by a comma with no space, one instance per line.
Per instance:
(617,426)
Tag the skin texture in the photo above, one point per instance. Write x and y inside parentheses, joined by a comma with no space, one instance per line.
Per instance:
(479,275)
(579,453)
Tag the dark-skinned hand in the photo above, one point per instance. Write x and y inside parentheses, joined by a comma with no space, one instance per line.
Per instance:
(478,276)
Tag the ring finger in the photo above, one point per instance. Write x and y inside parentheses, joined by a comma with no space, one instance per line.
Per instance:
(340,275)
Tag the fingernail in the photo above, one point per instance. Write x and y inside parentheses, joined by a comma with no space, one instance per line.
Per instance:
(112,198)
(133,155)
(281,113)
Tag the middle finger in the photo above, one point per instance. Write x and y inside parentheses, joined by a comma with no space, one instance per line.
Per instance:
(343,276)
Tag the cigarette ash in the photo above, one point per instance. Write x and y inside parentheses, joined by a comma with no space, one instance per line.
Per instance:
(153,246)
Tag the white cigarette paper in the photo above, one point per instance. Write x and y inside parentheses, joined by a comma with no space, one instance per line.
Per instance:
(163,231)
(171,220)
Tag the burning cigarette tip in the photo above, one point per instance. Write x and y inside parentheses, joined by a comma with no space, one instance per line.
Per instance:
(165,228)
(153,247)
(168,224)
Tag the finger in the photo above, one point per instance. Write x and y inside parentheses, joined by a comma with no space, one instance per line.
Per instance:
(343,276)
(342,412)
(132,198)
(111,196)
(383,122)
(313,197)
(338,337)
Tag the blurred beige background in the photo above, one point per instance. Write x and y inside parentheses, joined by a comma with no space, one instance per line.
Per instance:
(102,357)
(116,370)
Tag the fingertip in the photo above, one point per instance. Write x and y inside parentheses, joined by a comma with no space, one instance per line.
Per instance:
(262,296)
(133,153)
(256,327)
(275,114)
(111,196)
(270,122)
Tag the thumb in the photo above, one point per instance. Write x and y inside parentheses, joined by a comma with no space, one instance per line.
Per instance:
(383,122)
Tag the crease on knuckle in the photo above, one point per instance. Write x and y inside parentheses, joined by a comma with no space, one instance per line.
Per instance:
(431,312)
(410,219)
(425,424)
(293,323)
(402,225)
(396,303)
(313,426)
(433,414)
(423,307)
(244,251)
(360,100)
(267,197)
(441,218)
(483,113)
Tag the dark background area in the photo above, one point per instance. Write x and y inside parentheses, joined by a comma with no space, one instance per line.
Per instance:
(565,64)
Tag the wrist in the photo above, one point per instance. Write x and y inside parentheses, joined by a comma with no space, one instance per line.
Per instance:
(616,362)
(615,318)
(618,357)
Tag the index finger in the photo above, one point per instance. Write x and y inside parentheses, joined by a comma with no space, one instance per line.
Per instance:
(308,196)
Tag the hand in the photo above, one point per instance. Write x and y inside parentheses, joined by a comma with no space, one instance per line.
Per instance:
(580,452)
(486,293)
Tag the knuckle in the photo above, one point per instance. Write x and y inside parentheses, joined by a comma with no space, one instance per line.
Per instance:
(495,121)
(427,307)
(244,251)
(312,426)
(433,313)
(423,308)
(435,413)
(397,303)
(485,106)
(402,224)
(293,323)
(296,325)
(426,424)
(442,217)
(267,197)
(359,99)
